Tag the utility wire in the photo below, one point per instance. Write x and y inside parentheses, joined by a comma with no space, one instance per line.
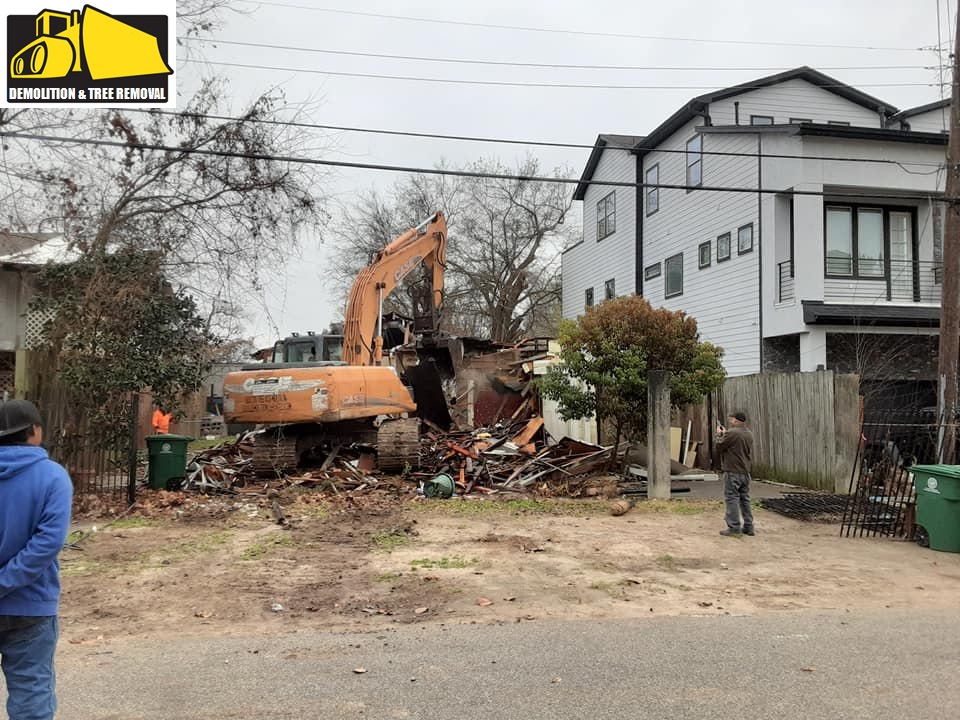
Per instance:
(532,143)
(506,63)
(441,171)
(504,83)
(562,31)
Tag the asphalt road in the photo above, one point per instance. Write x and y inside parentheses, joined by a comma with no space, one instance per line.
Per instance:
(874,666)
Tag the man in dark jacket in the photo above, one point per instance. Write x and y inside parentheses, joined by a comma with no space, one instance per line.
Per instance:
(736,457)
(35,498)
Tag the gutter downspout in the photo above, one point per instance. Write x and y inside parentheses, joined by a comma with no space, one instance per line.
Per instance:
(759,238)
(641,212)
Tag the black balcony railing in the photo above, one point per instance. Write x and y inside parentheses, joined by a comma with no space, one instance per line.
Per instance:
(896,281)
(784,281)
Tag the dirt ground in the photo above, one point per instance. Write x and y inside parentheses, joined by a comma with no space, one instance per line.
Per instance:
(222,566)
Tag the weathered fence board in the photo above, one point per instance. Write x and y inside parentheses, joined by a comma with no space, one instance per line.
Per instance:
(806,425)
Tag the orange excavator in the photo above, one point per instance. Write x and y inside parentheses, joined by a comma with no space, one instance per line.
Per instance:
(316,406)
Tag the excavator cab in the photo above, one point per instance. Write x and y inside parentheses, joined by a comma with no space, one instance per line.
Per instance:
(308,348)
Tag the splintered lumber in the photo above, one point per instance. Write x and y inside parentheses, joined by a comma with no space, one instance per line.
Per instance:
(328,461)
(526,435)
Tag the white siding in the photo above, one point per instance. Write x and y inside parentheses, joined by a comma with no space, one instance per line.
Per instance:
(932,121)
(793,99)
(723,297)
(592,263)
(9,310)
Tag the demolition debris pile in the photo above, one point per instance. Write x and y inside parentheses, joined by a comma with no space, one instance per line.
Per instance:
(498,444)
(502,458)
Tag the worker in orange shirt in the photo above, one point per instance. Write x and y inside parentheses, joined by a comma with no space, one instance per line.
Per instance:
(161,420)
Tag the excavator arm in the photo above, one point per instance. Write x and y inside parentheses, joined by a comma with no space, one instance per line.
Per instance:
(424,245)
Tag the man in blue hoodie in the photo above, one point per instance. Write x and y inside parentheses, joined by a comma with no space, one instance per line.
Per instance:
(35,498)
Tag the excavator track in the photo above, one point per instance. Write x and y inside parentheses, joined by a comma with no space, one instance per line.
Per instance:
(398,445)
(274,455)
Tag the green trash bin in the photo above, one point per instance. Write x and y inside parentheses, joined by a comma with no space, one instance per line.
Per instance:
(938,506)
(167,460)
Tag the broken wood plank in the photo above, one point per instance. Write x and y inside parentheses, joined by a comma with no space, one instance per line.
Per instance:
(526,435)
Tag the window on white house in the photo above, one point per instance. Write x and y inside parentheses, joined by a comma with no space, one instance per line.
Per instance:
(588,297)
(761,119)
(723,247)
(745,239)
(839,241)
(856,241)
(870,242)
(694,162)
(705,252)
(837,122)
(673,276)
(797,121)
(653,193)
(651,271)
(606,216)
(610,289)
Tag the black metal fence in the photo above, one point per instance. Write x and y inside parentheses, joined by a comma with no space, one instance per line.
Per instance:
(101,461)
(881,499)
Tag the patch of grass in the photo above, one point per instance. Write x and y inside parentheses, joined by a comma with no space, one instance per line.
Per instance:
(81,567)
(389,577)
(390,540)
(196,446)
(261,548)
(132,522)
(519,506)
(667,562)
(444,563)
(154,558)
(678,507)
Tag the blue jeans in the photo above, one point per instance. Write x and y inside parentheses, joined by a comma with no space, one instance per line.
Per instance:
(26,655)
(736,496)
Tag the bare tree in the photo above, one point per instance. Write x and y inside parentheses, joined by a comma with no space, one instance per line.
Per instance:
(505,239)
(210,197)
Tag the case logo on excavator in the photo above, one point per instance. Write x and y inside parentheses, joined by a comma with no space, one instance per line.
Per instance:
(401,272)
(117,54)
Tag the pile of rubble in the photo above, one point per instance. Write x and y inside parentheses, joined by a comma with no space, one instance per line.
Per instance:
(509,456)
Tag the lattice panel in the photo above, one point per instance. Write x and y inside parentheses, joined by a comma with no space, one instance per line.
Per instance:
(33,334)
(6,373)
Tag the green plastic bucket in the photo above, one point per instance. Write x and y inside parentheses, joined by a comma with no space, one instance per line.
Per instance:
(440,487)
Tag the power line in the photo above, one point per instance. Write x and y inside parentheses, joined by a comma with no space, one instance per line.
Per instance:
(532,143)
(506,63)
(562,31)
(441,171)
(504,83)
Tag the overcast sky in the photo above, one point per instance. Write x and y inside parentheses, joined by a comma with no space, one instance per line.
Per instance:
(754,38)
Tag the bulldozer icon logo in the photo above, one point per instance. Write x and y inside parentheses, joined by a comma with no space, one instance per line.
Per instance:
(90,57)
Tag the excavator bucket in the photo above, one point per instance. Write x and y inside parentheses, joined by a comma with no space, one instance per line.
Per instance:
(113,49)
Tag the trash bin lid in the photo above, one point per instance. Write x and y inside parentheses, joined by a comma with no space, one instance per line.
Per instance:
(950,471)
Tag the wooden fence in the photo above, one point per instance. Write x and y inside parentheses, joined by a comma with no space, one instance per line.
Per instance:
(806,426)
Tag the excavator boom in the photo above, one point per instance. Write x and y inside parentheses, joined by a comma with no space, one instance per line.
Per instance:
(424,245)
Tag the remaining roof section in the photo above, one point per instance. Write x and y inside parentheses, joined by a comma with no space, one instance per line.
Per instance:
(920,109)
(34,249)
(626,142)
(700,104)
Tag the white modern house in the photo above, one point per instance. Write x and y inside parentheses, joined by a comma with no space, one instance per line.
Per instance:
(793,216)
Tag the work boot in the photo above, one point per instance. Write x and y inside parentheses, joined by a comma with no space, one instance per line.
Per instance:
(749,532)
(730,533)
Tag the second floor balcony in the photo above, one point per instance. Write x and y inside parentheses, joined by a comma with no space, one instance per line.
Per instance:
(897,282)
